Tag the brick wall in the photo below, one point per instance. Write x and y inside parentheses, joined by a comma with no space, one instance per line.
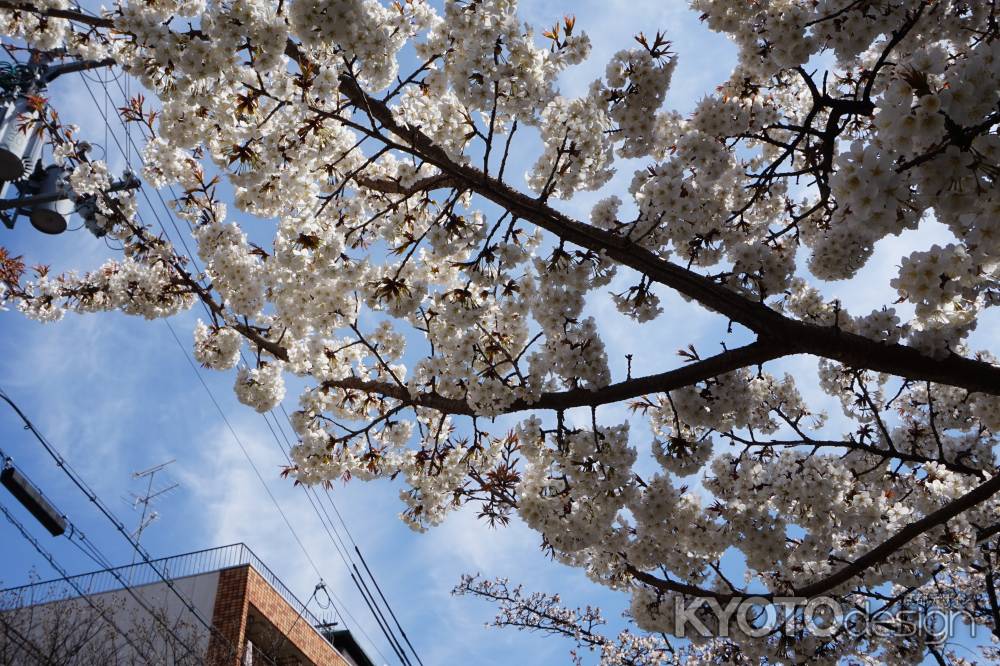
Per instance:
(229,617)
(242,587)
(286,619)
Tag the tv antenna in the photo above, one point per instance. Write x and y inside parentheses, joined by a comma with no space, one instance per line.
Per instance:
(148,515)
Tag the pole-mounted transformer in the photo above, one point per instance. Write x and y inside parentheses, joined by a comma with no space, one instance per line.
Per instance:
(44,195)
(20,144)
(32,499)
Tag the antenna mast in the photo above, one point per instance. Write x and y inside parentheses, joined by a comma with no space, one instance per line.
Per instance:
(145,500)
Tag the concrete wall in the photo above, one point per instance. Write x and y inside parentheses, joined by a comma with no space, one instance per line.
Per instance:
(159,625)
(159,628)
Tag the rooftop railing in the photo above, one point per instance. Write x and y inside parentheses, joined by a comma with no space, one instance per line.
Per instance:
(135,575)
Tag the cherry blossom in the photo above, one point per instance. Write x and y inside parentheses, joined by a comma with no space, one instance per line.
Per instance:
(435,303)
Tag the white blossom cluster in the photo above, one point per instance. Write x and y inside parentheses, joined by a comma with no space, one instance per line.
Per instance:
(129,286)
(484,47)
(362,30)
(165,164)
(90,178)
(261,388)
(561,486)
(236,273)
(216,348)
(45,34)
(577,154)
(637,84)
(378,247)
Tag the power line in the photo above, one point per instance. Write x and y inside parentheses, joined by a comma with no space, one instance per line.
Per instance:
(246,454)
(348,560)
(76,537)
(236,438)
(331,531)
(89,549)
(385,601)
(109,515)
(312,495)
(381,623)
(283,637)
(260,478)
(334,536)
(198,374)
(359,581)
(67,578)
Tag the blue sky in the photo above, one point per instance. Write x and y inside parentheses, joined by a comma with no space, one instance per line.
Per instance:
(116,394)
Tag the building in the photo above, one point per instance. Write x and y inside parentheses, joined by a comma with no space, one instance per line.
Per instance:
(129,615)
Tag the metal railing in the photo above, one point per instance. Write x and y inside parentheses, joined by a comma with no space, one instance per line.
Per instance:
(174,567)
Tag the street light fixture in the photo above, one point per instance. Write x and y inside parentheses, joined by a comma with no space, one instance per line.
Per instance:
(25,492)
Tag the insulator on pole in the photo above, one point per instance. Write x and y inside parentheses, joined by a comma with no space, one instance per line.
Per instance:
(50,217)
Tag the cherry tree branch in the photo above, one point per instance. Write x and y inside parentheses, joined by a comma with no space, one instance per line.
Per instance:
(68,14)
(853,445)
(867,561)
(752,354)
(792,335)
(427,184)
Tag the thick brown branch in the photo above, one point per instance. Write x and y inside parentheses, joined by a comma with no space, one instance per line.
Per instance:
(427,184)
(753,315)
(879,554)
(893,454)
(872,558)
(68,14)
(794,336)
(752,354)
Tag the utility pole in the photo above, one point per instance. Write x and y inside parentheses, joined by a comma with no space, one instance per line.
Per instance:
(44,195)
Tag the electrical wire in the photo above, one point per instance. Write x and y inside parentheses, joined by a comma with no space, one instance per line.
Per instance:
(349,562)
(381,623)
(246,454)
(88,548)
(312,495)
(341,606)
(76,537)
(109,515)
(190,362)
(84,544)
(67,578)
(335,535)
(385,601)
(283,637)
